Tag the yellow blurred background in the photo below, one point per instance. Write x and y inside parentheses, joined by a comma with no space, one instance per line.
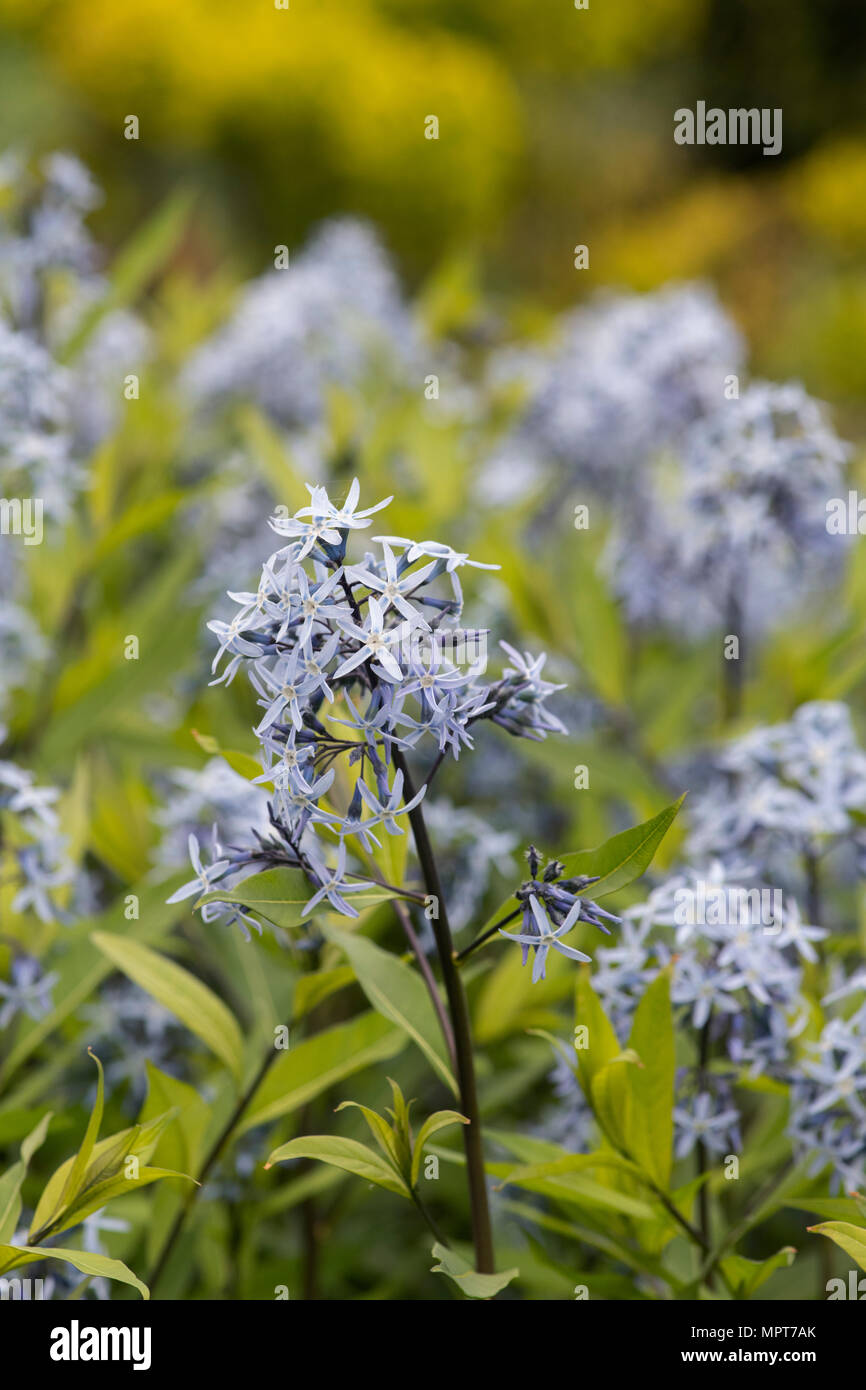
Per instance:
(555,128)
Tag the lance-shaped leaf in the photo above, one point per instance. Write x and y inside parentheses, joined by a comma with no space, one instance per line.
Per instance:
(598,1044)
(97,1266)
(197,1007)
(107,1158)
(432,1125)
(79,1165)
(461,1273)
(613,1100)
(10,1183)
(348,1154)
(745,1276)
(652,1084)
(381,1131)
(121,1185)
(399,994)
(396,1140)
(278,895)
(571,1163)
(320,1062)
(182,1141)
(623,858)
(852,1239)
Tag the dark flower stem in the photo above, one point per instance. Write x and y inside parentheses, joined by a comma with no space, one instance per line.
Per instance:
(472,1137)
(429,979)
(703,1194)
(813,887)
(732,671)
(486,935)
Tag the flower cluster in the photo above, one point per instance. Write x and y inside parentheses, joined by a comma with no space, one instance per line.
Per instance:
(43,229)
(194,799)
(331,318)
(32,842)
(785,789)
(622,380)
(734,529)
(53,415)
(735,950)
(359,661)
(28,991)
(828,1110)
(53,411)
(551,906)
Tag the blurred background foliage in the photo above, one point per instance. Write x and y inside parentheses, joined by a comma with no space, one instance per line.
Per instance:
(556,128)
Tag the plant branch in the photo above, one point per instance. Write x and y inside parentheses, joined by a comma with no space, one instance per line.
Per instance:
(486,935)
(429,979)
(751,1213)
(457,1004)
(213,1156)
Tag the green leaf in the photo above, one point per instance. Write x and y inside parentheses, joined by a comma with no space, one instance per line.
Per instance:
(244,764)
(399,994)
(10,1183)
(100,1194)
(181,993)
(442,1119)
(278,895)
(380,1130)
(652,1038)
(36,1138)
(745,1276)
(312,989)
(348,1154)
(106,1160)
(402,1131)
(140,260)
(613,1100)
(320,1062)
(181,1142)
(829,1208)
(75,1178)
(852,1239)
(97,1266)
(10,1199)
(568,1185)
(602,1044)
(461,1273)
(572,1163)
(622,859)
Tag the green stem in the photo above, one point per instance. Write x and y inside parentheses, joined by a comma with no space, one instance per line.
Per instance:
(210,1161)
(703,1194)
(751,1214)
(472,1137)
(430,982)
(429,1221)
